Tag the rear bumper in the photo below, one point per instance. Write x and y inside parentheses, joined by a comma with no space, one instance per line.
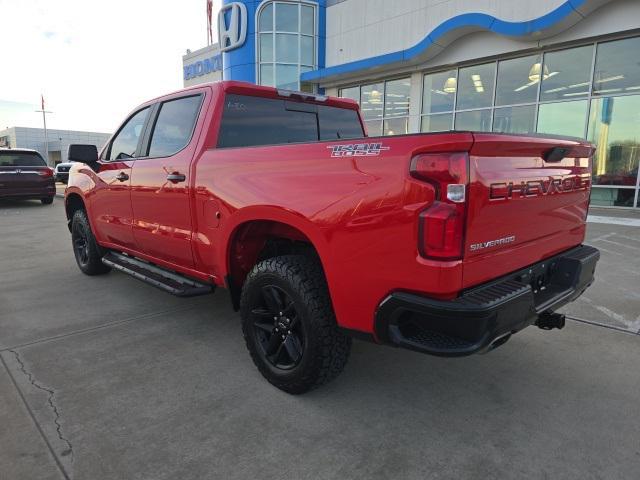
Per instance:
(484,315)
(29,193)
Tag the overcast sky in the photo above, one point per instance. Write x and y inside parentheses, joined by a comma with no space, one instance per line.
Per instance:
(94,61)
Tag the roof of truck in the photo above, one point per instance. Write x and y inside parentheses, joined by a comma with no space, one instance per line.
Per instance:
(246,88)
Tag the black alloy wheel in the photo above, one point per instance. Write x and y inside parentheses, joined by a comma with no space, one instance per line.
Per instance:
(277,330)
(85,248)
(81,245)
(289,325)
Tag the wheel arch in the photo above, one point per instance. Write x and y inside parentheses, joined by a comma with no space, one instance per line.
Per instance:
(263,233)
(73,202)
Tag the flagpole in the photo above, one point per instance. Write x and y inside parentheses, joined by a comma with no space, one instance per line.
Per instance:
(46,136)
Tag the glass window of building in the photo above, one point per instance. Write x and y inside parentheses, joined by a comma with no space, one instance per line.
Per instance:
(396,98)
(440,122)
(287,41)
(352,92)
(287,48)
(372,98)
(475,86)
(396,126)
(474,120)
(287,17)
(287,76)
(567,74)
(614,126)
(265,23)
(563,118)
(374,128)
(515,119)
(307,20)
(518,80)
(439,92)
(266,48)
(384,105)
(617,70)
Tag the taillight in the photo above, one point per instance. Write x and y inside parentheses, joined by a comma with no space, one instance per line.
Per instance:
(47,172)
(441,229)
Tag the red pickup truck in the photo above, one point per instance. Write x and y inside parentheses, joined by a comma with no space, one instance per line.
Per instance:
(443,243)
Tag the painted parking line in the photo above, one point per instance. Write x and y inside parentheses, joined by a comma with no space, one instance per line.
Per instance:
(627,222)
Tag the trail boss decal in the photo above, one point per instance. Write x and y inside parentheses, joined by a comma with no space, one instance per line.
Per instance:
(492,243)
(357,150)
(539,188)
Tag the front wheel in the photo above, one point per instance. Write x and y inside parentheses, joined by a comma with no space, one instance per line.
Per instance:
(289,325)
(85,248)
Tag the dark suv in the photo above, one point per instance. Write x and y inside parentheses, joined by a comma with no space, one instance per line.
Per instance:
(25,174)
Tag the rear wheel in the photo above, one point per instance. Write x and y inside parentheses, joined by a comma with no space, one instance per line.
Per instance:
(47,200)
(289,325)
(85,248)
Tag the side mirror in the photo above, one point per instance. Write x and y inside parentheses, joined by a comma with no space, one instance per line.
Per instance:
(84,153)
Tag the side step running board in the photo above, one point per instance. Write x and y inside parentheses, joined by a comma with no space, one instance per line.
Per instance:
(161,278)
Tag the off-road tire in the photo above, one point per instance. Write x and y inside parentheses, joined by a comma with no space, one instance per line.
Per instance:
(325,348)
(89,254)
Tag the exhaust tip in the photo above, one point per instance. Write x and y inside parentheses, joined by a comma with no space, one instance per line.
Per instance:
(551,320)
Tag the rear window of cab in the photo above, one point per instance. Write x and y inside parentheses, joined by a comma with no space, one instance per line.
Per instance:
(252,121)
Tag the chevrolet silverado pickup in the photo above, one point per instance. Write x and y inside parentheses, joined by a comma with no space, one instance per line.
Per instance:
(443,243)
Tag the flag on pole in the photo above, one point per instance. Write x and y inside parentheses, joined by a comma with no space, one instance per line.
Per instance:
(42,101)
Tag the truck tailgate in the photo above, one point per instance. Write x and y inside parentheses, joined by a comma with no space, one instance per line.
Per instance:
(528,200)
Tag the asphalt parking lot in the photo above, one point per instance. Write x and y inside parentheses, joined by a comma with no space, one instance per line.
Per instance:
(108,378)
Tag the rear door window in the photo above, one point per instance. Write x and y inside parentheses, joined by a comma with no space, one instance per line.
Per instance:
(21,159)
(252,121)
(174,126)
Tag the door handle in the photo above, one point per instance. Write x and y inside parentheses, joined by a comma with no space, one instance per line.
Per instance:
(176,177)
(122,177)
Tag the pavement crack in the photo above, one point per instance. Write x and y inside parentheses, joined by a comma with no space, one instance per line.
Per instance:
(52,404)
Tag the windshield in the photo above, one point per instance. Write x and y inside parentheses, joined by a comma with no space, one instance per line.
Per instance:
(21,159)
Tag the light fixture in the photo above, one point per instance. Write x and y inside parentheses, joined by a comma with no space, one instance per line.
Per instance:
(477,83)
(536,70)
(450,85)
(374,96)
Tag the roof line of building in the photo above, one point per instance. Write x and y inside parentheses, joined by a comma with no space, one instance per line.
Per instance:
(552,23)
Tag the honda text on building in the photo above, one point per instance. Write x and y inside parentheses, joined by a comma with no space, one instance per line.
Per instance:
(320,232)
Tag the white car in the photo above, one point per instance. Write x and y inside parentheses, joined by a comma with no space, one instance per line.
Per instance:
(61,172)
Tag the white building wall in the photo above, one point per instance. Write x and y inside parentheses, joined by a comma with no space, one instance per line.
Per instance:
(393,26)
(58,140)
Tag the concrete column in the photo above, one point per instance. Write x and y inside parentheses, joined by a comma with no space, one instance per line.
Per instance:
(415,103)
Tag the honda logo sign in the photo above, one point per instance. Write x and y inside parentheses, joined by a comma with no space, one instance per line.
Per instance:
(232,26)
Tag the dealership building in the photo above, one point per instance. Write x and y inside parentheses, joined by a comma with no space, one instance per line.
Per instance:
(517,66)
